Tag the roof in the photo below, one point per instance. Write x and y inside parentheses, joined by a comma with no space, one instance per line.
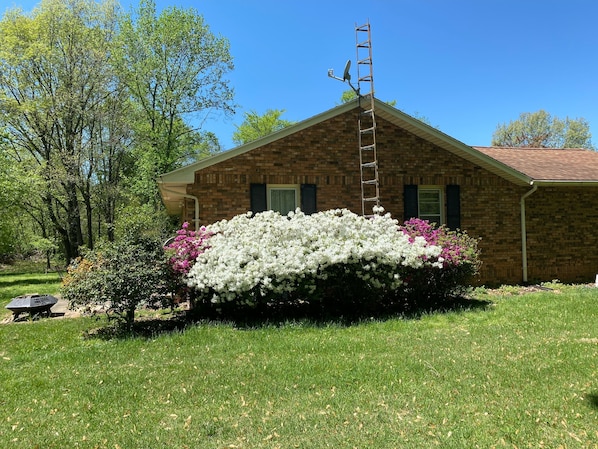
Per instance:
(185,175)
(549,165)
(514,165)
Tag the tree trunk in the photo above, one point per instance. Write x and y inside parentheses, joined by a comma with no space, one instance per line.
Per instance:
(73,218)
(88,214)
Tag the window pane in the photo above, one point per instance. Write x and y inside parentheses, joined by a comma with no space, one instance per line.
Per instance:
(430,205)
(282,200)
(431,218)
(429,209)
(429,195)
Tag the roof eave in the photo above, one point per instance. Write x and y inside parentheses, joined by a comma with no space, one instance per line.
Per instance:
(172,195)
(565,182)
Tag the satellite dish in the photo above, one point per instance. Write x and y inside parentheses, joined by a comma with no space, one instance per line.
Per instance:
(346,74)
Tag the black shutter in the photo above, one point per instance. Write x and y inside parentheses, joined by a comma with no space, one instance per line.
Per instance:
(453,207)
(410,202)
(308,199)
(259,203)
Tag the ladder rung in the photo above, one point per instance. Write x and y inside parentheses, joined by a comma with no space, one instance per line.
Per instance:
(374,198)
(370,182)
(367,112)
(368,147)
(367,78)
(369,164)
(367,130)
(365,61)
(364,44)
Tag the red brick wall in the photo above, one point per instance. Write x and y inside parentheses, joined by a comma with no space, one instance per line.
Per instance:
(561,234)
(327,155)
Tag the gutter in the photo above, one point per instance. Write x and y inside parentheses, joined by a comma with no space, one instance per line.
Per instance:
(195,201)
(524,230)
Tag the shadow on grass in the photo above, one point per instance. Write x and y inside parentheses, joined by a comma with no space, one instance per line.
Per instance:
(279,315)
(592,399)
(28,281)
(142,328)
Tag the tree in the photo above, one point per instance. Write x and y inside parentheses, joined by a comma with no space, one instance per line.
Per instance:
(96,104)
(24,223)
(11,190)
(110,160)
(350,95)
(255,126)
(54,76)
(174,69)
(542,130)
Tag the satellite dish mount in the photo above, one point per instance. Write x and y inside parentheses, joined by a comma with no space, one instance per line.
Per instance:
(346,76)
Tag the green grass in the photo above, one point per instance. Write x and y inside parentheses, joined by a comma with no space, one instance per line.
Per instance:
(520,373)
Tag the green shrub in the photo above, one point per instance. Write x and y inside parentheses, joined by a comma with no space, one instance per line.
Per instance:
(121,276)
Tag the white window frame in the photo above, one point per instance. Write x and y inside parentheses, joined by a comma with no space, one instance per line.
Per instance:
(271,187)
(436,189)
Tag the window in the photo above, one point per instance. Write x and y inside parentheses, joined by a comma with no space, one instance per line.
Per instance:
(427,203)
(430,204)
(283,198)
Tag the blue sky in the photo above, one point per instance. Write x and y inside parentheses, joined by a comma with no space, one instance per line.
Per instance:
(466,65)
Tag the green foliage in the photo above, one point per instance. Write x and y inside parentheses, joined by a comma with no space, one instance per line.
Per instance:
(256,126)
(18,184)
(54,76)
(144,219)
(123,276)
(542,130)
(97,103)
(349,95)
(174,69)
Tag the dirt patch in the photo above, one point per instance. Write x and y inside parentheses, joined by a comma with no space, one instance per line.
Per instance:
(515,290)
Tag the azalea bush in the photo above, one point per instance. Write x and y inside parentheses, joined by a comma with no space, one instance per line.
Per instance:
(182,253)
(333,261)
(459,257)
(185,248)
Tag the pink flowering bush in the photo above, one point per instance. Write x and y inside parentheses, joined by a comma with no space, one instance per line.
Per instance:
(183,252)
(459,261)
(186,246)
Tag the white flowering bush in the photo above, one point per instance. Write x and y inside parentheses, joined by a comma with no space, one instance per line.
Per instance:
(334,258)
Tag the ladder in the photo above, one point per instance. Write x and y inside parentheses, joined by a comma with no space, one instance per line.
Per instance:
(368,158)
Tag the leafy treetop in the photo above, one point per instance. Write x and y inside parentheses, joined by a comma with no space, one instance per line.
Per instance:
(542,130)
(255,126)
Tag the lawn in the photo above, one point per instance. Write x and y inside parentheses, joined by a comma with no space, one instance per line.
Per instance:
(518,373)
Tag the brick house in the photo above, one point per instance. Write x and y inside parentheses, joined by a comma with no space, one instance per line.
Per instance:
(535,210)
